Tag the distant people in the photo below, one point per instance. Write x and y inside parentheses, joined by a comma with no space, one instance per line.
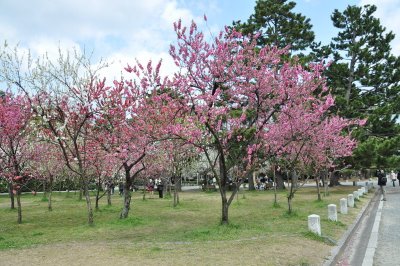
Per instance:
(160,187)
(121,188)
(382,179)
(112,186)
(150,187)
(393,176)
(398,176)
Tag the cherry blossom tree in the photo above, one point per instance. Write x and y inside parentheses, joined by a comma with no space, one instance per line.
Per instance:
(49,165)
(233,93)
(127,125)
(16,150)
(64,95)
(308,138)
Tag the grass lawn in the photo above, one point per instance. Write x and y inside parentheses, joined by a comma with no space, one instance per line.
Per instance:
(157,233)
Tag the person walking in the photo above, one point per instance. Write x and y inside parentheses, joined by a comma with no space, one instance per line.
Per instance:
(393,177)
(398,176)
(160,187)
(381,183)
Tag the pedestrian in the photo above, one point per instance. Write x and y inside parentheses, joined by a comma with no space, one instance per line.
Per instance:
(112,188)
(121,188)
(150,187)
(393,177)
(160,187)
(398,176)
(381,183)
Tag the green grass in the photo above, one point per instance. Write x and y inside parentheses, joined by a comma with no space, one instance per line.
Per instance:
(196,220)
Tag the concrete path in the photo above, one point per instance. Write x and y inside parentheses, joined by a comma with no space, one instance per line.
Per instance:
(388,243)
(375,238)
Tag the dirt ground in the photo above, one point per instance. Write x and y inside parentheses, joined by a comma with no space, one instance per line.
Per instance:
(253,251)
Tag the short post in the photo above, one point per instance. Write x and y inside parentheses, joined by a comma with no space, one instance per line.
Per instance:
(350,200)
(314,224)
(366,188)
(332,212)
(343,206)
(360,192)
(356,195)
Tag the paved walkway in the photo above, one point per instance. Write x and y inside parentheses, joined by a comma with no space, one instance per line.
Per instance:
(375,240)
(388,245)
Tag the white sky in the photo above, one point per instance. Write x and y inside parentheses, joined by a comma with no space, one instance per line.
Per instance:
(122,30)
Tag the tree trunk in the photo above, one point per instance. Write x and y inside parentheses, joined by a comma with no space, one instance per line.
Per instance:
(225,209)
(252,177)
(80,194)
(292,189)
(49,205)
(19,206)
(317,179)
(10,192)
(290,204)
(88,203)
(275,192)
(178,184)
(44,189)
(127,199)
(109,197)
(279,180)
(97,201)
(97,195)
(176,198)
(334,180)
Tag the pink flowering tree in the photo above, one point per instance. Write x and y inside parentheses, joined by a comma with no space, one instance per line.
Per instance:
(16,151)
(64,95)
(128,127)
(47,163)
(307,138)
(233,94)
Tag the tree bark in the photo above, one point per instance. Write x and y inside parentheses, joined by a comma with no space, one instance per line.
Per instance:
(19,206)
(279,180)
(225,209)
(49,205)
(109,197)
(317,179)
(98,185)
(176,198)
(251,181)
(292,190)
(10,192)
(334,180)
(127,199)
(88,202)
(178,184)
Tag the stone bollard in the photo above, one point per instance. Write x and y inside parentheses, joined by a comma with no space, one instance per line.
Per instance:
(356,195)
(332,213)
(314,224)
(366,188)
(343,206)
(350,200)
(360,192)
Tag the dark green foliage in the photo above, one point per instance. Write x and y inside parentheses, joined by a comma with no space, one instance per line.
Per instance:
(364,78)
(279,26)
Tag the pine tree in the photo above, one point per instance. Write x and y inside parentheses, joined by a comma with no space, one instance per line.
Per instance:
(279,26)
(364,76)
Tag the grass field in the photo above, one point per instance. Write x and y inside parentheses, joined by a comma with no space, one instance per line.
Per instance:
(157,233)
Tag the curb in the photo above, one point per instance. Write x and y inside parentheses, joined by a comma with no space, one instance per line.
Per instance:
(337,250)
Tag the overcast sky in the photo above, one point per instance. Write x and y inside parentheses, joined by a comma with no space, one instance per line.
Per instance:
(121,30)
